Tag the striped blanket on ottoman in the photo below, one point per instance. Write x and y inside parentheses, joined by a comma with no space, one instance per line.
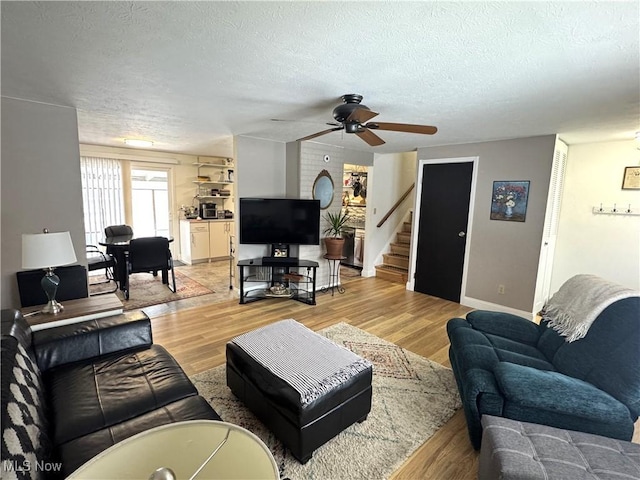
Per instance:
(303,386)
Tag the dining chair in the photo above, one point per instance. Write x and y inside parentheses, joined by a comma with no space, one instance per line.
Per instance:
(117,230)
(98,260)
(150,255)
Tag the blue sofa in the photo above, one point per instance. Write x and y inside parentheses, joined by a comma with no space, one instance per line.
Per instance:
(508,366)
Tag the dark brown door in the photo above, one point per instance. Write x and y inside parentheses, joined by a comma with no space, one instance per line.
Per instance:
(442,232)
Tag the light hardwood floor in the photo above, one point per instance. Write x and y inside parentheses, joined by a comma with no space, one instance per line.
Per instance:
(197,338)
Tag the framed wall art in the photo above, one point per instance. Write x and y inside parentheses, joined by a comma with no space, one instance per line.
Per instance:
(631,178)
(509,200)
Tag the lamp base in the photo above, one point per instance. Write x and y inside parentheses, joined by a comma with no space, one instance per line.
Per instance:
(50,284)
(52,307)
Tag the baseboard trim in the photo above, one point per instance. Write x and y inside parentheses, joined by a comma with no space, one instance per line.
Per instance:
(484,305)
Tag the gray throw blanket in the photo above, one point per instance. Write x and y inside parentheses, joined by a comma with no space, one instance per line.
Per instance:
(312,364)
(579,301)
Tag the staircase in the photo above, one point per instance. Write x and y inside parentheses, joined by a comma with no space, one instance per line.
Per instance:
(395,266)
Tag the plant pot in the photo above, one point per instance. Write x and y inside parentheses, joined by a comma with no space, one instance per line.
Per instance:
(334,246)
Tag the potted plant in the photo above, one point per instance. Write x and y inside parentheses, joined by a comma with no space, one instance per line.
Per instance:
(334,242)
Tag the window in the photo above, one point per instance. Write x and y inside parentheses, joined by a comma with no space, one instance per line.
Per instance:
(150,202)
(102,196)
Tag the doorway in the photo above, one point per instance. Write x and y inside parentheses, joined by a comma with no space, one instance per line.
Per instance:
(444,202)
(354,203)
(150,212)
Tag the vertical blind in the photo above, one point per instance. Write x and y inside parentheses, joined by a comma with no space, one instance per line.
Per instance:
(102,196)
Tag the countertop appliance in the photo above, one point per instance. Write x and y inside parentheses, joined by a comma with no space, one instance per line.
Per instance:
(353,247)
(208,211)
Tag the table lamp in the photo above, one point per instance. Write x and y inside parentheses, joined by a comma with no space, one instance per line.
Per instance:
(48,251)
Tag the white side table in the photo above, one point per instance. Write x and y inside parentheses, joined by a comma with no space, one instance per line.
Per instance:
(184,447)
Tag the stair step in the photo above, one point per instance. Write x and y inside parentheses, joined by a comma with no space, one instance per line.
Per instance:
(400,248)
(391,273)
(396,260)
(406,227)
(403,237)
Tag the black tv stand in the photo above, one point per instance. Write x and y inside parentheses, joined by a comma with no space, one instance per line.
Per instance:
(258,275)
(279,260)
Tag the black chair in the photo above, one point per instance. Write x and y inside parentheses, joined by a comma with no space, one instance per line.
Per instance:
(150,255)
(98,260)
(73,285)
(116,231)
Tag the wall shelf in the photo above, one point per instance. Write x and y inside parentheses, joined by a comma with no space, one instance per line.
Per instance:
(203,182)
(202,186)
(215,165)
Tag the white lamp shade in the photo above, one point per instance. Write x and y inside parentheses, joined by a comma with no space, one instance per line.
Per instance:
(44,250)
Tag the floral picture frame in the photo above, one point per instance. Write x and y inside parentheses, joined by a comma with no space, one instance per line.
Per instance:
(509,200)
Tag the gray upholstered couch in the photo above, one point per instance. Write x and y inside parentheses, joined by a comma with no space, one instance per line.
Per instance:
(513,450)
(510,367)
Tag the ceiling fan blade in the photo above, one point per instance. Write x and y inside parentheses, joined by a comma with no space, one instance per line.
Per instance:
(370,137)
(333,124)
(314,135)
(361,115)
(403,127)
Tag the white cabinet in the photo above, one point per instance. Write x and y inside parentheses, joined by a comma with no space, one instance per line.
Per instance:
(194,241)
(203,240)
(219,239)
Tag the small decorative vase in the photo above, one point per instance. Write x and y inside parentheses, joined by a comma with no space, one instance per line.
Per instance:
(508,212)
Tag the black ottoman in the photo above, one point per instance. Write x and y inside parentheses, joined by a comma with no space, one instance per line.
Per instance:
(303,387)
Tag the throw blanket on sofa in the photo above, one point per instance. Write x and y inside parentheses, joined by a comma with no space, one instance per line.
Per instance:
(312,364)
(579,301)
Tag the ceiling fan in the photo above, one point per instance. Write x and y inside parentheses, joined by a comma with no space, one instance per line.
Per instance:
(352,115)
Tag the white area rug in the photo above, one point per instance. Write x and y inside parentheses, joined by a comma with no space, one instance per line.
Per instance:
(412,398)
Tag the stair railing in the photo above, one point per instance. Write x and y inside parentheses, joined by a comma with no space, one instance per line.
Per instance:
(396,205)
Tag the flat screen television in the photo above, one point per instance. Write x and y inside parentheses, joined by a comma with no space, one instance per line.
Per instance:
(276,221)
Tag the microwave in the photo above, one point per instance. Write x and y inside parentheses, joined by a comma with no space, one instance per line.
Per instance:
(208,211)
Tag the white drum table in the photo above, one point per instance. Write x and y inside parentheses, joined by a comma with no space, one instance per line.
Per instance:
(185,447)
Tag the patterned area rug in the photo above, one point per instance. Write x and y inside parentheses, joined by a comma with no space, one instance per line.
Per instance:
(412,398)
(146,290)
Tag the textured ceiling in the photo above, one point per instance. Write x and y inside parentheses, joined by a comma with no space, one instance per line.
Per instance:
(190,75)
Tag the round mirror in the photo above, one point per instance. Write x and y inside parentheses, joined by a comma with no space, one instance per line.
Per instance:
(323,189)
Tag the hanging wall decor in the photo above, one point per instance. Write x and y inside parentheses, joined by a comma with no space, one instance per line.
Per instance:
(509,200)
(323,189)
(631,178)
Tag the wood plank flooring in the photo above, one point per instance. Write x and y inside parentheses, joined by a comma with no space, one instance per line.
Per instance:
(197,338)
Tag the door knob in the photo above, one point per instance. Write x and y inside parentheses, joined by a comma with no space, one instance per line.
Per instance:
(461,234)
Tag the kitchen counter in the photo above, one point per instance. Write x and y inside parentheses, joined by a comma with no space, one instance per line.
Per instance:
(195,220)
(358,225)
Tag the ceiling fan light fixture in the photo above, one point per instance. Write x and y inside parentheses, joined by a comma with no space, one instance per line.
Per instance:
(353,127)
(353,115)
(133,142)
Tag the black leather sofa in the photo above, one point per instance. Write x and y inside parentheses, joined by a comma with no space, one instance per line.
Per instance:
(70,392)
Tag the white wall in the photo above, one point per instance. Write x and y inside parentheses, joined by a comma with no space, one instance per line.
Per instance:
(391,176)
(260,172)
(311,164)
(604,245)
(41,184)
